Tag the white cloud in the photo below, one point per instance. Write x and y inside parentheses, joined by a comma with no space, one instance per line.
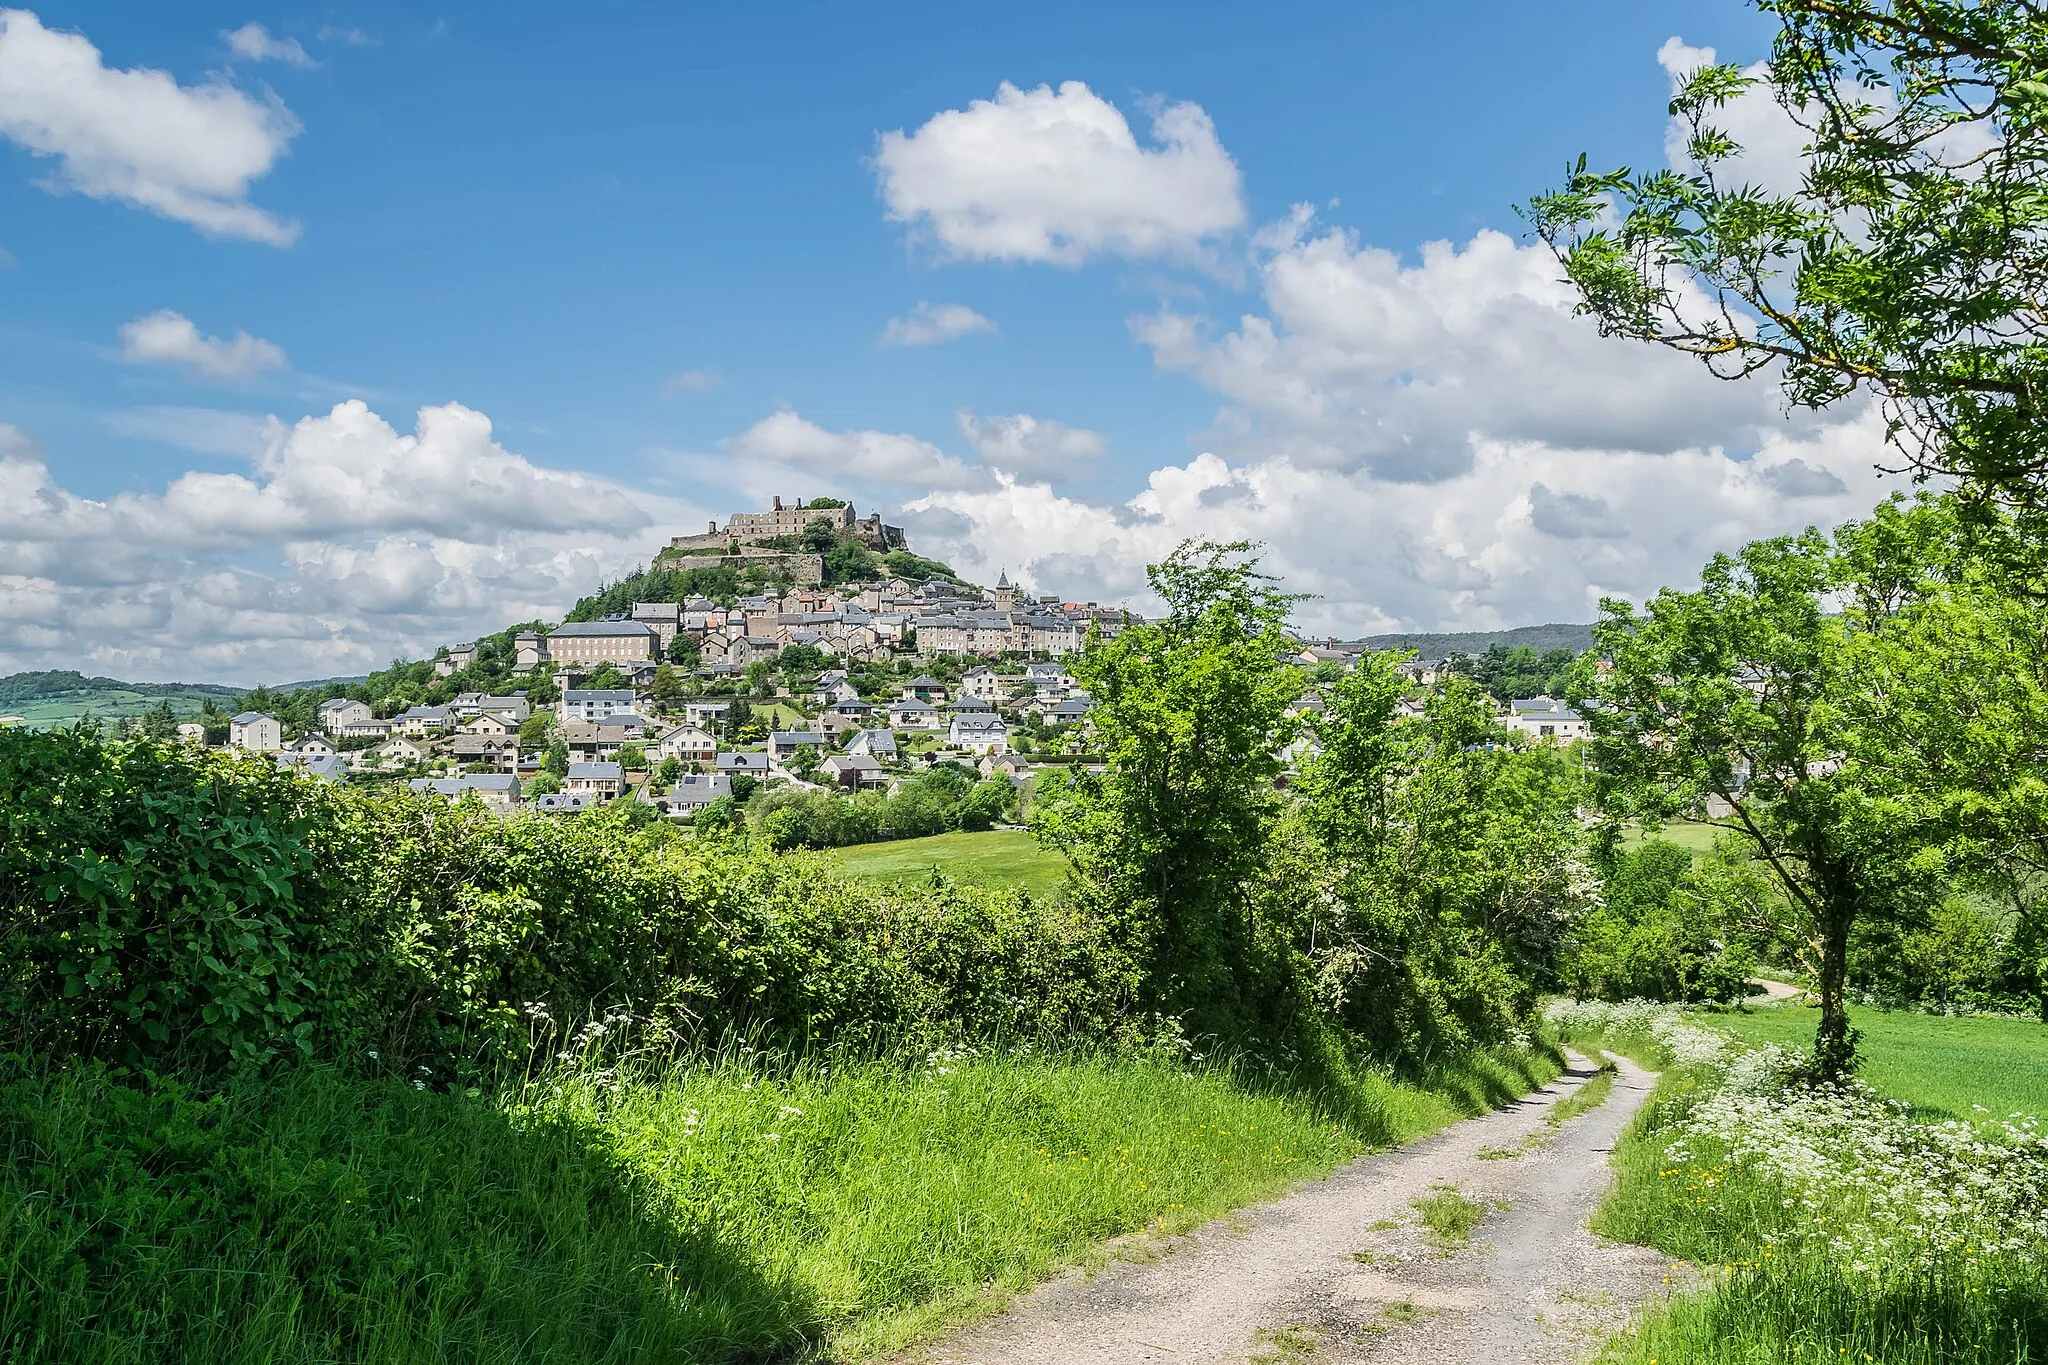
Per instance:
(931,323)
(691,381)
(787,440)
(203,431)
(1024,445)
(1472,551)
(255,42)
(346,543)
(1058,176)
(170,338)
(136,136)
(1364,361)
(347,37)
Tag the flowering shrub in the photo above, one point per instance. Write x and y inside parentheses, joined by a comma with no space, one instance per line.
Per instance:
(1880,1191)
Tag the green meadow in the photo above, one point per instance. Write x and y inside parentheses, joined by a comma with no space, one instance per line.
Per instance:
(1941,1065)
(998,857)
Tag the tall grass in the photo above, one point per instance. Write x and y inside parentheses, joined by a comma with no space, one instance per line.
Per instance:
(1823,1270)
(721,1210)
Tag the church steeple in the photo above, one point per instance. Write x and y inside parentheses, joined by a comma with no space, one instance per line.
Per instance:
(1005,595)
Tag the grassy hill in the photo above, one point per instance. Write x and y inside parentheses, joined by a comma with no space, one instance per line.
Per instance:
(47,700)
(1557,635)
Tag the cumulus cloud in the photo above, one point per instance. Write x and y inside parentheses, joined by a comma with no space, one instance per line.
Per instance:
(931,323)
(788,441)
(346,542)
(1058,176)
(347,37)
(256,43)
(1031,448)
(136,136)
(1464,552)
(170,338)
(1363,361)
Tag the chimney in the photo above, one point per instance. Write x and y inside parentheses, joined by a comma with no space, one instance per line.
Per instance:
(778,502)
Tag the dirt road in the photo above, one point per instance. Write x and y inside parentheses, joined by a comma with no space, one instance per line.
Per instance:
(1343,1270)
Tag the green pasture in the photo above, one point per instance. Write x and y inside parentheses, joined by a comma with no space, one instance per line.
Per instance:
(1934,1063)
(990,858)
(1697,835)
(106,704)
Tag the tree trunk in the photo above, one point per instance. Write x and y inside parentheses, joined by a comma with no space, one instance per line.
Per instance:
(1834,1042)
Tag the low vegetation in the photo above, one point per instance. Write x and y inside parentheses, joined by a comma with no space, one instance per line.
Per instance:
(1836,1223)
(990,858)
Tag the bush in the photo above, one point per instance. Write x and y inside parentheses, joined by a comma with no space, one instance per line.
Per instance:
(165,906)
(1668,928)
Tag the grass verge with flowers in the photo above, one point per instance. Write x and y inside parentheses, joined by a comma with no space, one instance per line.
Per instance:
(737,1208)
(1840,1225)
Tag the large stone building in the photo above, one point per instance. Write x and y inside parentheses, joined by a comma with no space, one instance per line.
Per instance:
(601,642)
(756,530)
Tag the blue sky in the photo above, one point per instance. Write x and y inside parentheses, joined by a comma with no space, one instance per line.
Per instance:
(659,249)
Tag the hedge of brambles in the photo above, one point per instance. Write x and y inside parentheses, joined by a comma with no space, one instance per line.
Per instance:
(165,906)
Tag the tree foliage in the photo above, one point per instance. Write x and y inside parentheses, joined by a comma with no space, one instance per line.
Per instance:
(1907,261)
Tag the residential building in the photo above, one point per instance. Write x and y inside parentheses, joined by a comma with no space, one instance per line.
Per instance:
(563,803)
(529,650)
(502,750)
(707,712)
(327,767)
(875,744)
(978,735)
(925,687)
(310,746)
(419,722)
(852,770)
(689,743)
(912,714)
(694,791)
(784,743)
(665,618)
(497,790)
(588,643)
(749,763)
(1546,718)
(590,705)
(600,780)
(600,741)
(256,732)
(192,732)
(489,724)
(985,684)
(338,713)
(399,751)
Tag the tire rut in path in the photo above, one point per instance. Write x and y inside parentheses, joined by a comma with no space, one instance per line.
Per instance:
(1341,1271)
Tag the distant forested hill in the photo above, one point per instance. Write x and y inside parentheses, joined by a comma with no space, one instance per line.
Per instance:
(63,696)
(1539,638)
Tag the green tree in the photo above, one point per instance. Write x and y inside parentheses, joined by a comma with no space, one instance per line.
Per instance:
(805,761)
(668,691)
(534,730)
(607,678)
(819,536)
(738,716)
(556,763)
(668,772)
(1742,696)
(684,651)
(1907,261)
(1189,712)
(160,722)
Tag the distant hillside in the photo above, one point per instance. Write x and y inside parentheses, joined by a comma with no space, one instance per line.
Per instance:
(1538,638)
(315,684)
(61,697)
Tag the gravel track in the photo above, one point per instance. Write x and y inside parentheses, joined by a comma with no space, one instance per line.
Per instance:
(1342,1270)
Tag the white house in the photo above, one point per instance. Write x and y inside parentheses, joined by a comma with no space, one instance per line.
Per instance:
(690,743)
(420,721)
(984,683)
(707,712)
(256,732)
(694,791)
(592,704)
(912,714)
(978,734)
(1546,718)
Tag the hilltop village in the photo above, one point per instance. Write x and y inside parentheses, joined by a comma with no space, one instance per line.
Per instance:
(801,646)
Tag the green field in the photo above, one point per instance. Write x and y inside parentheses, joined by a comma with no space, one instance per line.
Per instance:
(1693,834)
(108,704)
(995,858)
(1939,1064)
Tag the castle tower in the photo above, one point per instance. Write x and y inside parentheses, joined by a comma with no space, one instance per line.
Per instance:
(1005,595)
